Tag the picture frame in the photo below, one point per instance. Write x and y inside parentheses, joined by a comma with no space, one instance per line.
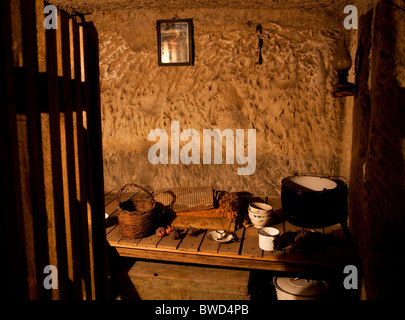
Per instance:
(175,42)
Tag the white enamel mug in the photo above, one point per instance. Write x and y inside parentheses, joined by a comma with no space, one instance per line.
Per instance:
(267,238)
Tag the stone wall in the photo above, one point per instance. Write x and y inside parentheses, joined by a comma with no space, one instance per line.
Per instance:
(377,179)
(287,99)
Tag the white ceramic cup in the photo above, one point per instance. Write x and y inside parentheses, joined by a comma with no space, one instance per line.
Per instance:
(220,234)
(267,238)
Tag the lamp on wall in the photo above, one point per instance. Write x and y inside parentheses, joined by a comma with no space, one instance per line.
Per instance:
(342,62)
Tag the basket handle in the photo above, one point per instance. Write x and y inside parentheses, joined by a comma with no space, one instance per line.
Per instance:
(136,186)
(172,195)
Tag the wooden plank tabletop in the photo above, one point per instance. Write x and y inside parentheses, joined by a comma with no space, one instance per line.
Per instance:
(333,252)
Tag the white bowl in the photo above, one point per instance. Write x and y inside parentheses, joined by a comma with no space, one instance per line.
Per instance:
(260,208)
(259,220)
(314,183)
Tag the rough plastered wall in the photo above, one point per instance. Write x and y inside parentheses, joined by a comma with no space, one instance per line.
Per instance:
(287,99)
(377,189)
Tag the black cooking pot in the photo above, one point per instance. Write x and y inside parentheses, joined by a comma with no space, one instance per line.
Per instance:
(314,201)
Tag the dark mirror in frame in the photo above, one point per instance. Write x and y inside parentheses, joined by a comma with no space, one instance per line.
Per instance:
(175,42)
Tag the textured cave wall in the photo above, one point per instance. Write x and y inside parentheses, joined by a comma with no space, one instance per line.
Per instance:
(287,99)
(377,180)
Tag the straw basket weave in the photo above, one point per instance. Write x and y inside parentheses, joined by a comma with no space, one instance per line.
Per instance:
(136,217)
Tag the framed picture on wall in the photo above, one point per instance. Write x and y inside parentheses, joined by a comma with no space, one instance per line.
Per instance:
(175,42)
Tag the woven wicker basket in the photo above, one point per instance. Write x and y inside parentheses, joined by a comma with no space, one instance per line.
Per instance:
(136,217)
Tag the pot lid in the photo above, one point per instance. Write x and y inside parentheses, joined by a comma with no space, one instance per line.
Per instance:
(301,287)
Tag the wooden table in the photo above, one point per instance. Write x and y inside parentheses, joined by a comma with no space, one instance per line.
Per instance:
(334,253)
